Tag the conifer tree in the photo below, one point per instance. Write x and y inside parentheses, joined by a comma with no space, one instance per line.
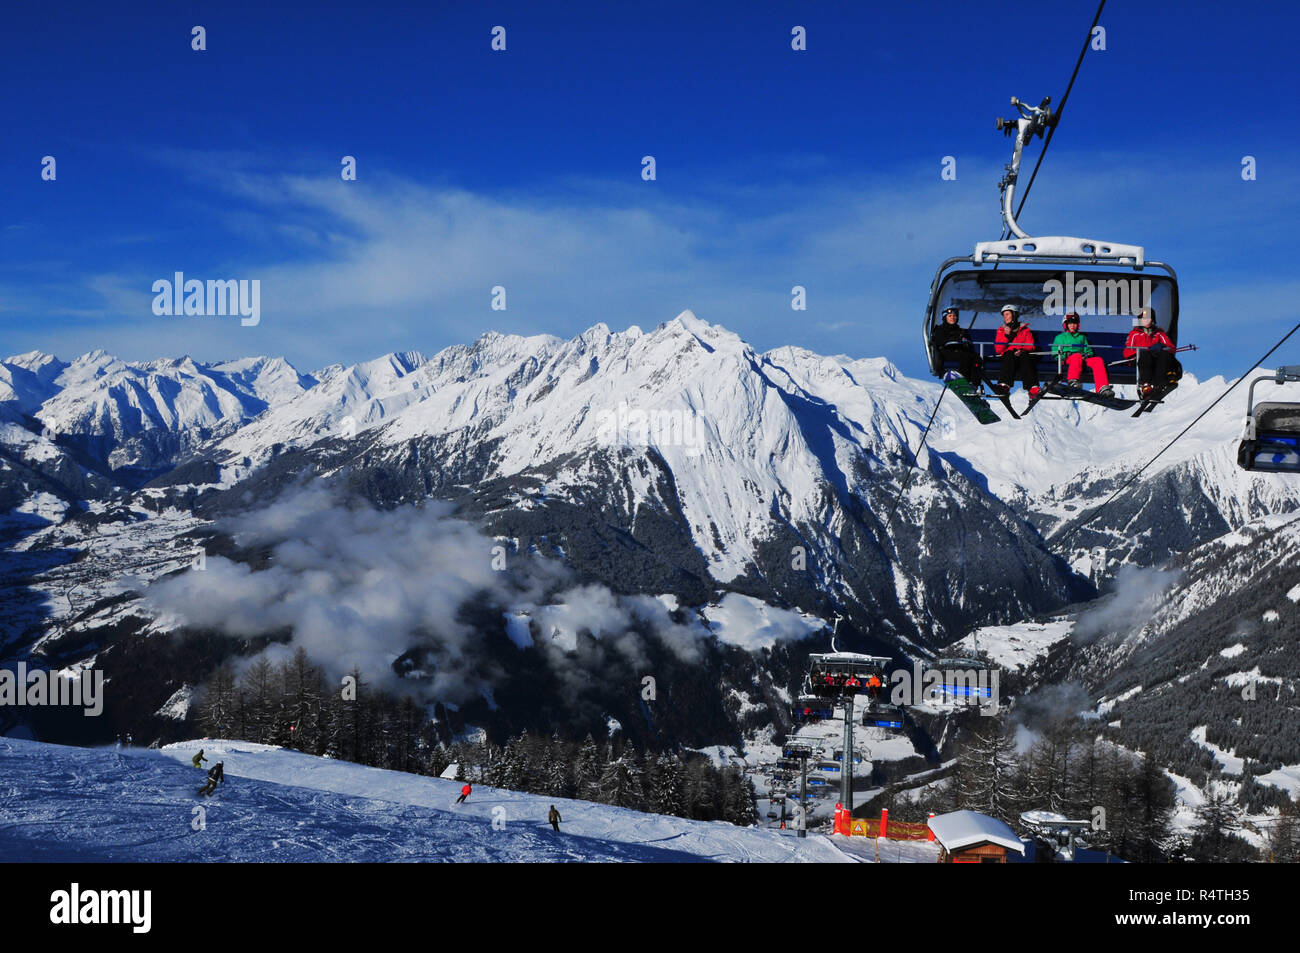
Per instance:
(1217,819)
(218,710)
(1283,838)
(587,771)
(556,777)
(986,781)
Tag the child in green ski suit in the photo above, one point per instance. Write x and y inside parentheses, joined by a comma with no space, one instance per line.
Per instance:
(1073,345)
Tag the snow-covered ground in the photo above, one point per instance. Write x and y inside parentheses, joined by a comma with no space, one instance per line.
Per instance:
(77,804)
(1015,646)
(1227,760)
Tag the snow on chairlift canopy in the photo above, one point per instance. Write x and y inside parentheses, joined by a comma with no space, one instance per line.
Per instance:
(960,662)
(1051,822)
(813,708)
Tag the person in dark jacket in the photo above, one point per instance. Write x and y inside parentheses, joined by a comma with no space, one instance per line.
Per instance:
(1154,351)
(464,793)
(216,775)
(554,818)
(1015,345)
(953,342)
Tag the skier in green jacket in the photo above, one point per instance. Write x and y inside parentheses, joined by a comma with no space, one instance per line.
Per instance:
(1073,346)
(198,760)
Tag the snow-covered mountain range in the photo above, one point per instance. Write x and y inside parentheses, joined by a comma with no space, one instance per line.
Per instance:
(678,463)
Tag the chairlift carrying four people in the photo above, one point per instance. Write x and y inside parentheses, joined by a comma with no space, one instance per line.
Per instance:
(990,314)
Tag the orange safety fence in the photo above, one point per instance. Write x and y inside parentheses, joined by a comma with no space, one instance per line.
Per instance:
(902,830)
(879,827)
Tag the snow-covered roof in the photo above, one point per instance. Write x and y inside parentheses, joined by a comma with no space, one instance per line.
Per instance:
(968,828)
(1043,817)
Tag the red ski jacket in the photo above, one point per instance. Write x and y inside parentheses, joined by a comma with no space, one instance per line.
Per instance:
(1145,337)
(1023,341)
(466,790)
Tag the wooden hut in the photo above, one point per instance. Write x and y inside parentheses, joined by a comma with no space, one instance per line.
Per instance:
(968,837)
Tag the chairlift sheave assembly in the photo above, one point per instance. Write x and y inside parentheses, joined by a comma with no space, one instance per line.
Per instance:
(1047,277)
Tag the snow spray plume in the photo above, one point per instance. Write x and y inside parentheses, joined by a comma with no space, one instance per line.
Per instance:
(1138,593)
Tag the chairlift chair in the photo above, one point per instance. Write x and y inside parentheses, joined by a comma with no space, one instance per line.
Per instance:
(1271,442)
(793,750)
(1018,270)
(835,674)
(882,719)
(812,708)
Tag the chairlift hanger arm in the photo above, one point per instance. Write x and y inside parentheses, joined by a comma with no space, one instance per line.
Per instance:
(1287,373)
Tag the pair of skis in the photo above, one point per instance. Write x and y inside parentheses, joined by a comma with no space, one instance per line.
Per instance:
(961,387)
(1149,402)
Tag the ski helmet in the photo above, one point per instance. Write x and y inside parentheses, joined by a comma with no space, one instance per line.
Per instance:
(949,310)
(1013,308)
(1071,318)
(1147,312)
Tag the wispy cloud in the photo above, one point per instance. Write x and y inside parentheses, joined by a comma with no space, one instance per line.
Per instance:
(350,270)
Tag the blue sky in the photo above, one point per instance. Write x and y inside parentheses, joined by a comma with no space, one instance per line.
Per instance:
(522,169)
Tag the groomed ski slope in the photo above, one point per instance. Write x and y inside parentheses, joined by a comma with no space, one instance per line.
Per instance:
(78,804)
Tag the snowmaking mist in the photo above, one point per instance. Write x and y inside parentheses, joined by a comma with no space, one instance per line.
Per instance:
(361,587)
(1046,707)
(1138,593)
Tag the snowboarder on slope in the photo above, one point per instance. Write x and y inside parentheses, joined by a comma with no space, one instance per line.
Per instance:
(1015,344)
(1153,349)
(464,793)
(1072,345)
(954,342)
(198,758)
(216,775)
(554,818)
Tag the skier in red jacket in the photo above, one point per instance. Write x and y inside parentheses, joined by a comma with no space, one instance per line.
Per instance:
(1015,344)
(464,793)
(1153,349)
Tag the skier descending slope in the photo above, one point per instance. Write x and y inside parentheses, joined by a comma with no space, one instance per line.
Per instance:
(198,759)
(216,775)
(464,793)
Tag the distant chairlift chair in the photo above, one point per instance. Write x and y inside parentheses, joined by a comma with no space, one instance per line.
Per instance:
(1271,442)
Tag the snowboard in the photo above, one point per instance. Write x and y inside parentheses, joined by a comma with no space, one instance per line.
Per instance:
(1073,393)
(966,394)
